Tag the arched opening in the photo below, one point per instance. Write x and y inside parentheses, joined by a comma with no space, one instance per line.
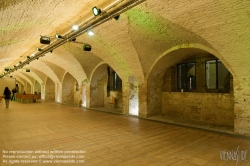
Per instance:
(192,87)
(69,93)
(106,85)
(49,90)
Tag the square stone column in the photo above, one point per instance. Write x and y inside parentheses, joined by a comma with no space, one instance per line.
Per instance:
(125,98)
(87,95)
(143,96)
(242,106)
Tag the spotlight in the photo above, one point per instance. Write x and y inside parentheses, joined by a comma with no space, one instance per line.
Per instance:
(20,62)
(6,69)
(87,47)
(59,36)
(38,49)
(96,11)
(27,70)
(44,40)
(14,66)
(37,58)
(32,54)
(91,33)
(28,57)
(51,51)
(117,17)
(75,27)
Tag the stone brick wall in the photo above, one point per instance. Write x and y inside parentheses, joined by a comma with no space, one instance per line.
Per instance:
(118,98)
(68,89)
(49,90)
(133,96)
(198,105)
(170,77)
(28,89)
(37,87)
(211,108)
(242,106)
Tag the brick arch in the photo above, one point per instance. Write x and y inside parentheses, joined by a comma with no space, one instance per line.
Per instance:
(158,69)
(98,96)
(32,75)
(119,71)
(160,63)
(69,93)
(21,75)
(63,58)
(45,69)
(49,90)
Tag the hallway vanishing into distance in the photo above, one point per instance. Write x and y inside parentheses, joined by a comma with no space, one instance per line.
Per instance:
(110,139)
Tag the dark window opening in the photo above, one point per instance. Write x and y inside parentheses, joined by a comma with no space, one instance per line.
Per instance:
(217,75)
(186,76)
(117,82)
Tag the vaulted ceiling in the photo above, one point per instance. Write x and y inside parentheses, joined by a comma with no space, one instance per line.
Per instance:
(132,45)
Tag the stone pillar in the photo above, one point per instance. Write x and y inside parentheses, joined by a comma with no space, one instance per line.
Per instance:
(125,98)
(88,97)
(133,97)
(242,106)
(83,90)
(143,96)
(58,93)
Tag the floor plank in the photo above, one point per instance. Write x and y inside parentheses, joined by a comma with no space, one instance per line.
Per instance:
(111,139)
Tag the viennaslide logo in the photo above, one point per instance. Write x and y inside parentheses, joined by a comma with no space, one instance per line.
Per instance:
(236,155)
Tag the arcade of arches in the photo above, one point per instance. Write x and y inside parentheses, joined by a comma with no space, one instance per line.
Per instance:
(168,61)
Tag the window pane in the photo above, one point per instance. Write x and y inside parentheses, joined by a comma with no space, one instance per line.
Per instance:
(223,76)
(190,75)
(211,74)
(181,76)
(117,82)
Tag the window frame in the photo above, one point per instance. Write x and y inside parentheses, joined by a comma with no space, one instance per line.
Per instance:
(177,76)
(217,75)
(115,82)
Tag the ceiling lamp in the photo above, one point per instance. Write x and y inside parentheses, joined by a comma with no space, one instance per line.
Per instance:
(38,49)
(60,36)
(45,40)
(117,17)
(96,11)
(91,33)
(75,27)
(87,47)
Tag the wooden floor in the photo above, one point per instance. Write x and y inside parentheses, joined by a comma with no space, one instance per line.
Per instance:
(106,139)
